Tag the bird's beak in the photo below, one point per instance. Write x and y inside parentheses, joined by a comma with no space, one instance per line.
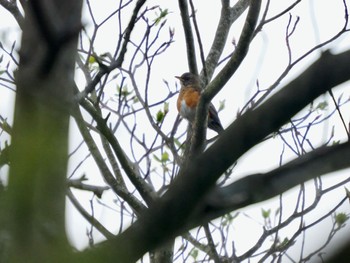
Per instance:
(178,77)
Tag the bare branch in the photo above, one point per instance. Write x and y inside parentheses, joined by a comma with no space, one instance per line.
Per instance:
(248,190)
(199,40)
(241,50)
(146,191)
(340,114)
(92,220)
(78,184)
(119,61)
(191,51)
(227,18)
(117,186)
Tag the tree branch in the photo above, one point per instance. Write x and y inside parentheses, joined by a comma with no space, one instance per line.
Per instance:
(176,211)
(242,48)
(116,185)
(117,63)
(191,51)
(224,75)
(145,190)
(78,184)
(249,190)
(93,221)
(227,18)
(199,40)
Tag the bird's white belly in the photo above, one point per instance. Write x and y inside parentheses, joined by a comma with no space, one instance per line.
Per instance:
(187,112)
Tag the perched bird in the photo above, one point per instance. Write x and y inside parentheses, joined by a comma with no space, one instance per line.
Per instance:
(187,101)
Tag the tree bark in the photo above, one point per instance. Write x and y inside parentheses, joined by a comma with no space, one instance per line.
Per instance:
(34,204)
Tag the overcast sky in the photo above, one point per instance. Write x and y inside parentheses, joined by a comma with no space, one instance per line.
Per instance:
(267,58)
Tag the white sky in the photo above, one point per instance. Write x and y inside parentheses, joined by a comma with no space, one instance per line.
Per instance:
(267,58)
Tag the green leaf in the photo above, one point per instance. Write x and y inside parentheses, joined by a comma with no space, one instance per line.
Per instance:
(136,99)
(123,91)
(165,157)
(161,16)
(166,107)
(177,142)
(164,13)
(194,253)
(92,59)
(341,218)
(265,213)
(228,218)
(322,105)
(336,142)
(221,105)
(160,116)
(285,241)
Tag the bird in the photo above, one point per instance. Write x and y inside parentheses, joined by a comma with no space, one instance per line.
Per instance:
(188,99)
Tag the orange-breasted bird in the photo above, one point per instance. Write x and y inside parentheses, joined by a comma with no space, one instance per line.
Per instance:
(187,101)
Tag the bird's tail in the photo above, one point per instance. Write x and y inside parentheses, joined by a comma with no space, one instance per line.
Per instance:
(213,120)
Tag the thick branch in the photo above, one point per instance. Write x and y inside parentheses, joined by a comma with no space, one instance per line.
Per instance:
(259,187)
(227,18)
(242,49)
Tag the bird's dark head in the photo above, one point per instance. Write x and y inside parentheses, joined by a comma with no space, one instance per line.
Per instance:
(188,79)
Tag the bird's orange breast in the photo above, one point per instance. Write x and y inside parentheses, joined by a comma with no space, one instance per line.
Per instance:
(187,102)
